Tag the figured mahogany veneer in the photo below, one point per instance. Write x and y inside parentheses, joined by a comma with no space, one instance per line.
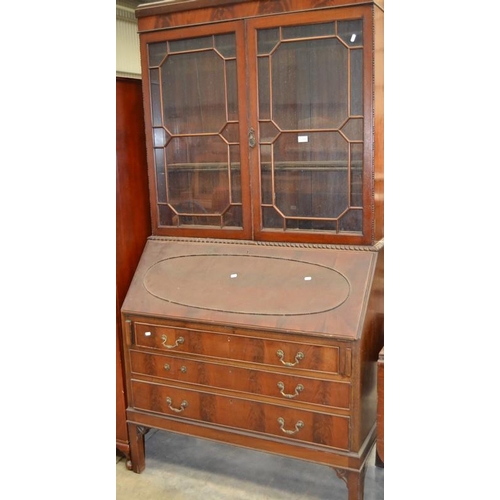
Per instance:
(255,315)
(243,414)
(300,385)
(237,347)
(266,384)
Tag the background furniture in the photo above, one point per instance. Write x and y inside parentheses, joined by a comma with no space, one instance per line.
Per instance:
(255,314)
(380,410)
(133,224)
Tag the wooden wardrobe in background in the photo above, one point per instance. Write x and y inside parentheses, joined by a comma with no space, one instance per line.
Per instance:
(133,224)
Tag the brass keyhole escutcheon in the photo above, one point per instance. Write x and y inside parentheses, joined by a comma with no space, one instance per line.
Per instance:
(252,141)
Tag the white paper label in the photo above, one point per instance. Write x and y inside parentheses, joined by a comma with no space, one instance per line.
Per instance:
(303,138)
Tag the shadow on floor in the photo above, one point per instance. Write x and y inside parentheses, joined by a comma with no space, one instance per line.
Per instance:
(186,468)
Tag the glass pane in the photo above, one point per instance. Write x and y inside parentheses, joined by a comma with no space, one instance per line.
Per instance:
(267,184)
(353,129)
(154,79)
(266,174)
(271,218)
(311,149)
(157,51)
(234,155)
(268,132)
(209,151)
(311,174)
(231,133)
(356,82)
(226,45)
(161,182)
(311,224)
(325,225)
(197,172)
(220,198)
(232,90)
(199,220)
(326,29)
(264,90)
(167,216)
(267,40)
(265,154)
(194,93)
(311,193)
(189,207)
(352,221)
(356,175)
(190,44)
(351,32)
(159,137)
(233,217)
(310,84)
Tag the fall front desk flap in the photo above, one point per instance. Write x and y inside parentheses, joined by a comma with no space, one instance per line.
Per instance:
(316,290)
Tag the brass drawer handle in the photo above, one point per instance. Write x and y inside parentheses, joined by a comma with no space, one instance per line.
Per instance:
(184,405)
(183,369)
(179,341)
(298,426)
(298,389)
(298,357)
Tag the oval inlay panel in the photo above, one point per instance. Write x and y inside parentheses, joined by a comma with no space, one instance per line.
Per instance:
(247,284)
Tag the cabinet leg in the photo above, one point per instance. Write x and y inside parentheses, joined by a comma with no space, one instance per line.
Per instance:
(137,461)
(355,482)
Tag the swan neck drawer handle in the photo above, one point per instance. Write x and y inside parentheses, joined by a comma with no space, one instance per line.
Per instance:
(298,389)
(184,405)
(298,357)
(178,342)
(299,425)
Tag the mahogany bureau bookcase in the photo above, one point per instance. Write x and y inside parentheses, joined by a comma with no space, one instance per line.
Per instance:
(255,314)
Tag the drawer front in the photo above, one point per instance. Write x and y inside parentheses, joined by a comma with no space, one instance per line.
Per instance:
(285,387)
(280,421)
(242,348)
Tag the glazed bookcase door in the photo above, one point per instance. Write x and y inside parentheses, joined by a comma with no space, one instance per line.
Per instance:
(312,115)
(195,80)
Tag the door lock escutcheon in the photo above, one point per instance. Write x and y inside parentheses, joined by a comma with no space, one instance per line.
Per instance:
(251,138)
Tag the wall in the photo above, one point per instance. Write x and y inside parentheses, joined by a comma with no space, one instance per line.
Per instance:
(128,61)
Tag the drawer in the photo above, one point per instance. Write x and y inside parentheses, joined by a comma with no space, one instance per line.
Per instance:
(242,414)
(285,387)
(238,347)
